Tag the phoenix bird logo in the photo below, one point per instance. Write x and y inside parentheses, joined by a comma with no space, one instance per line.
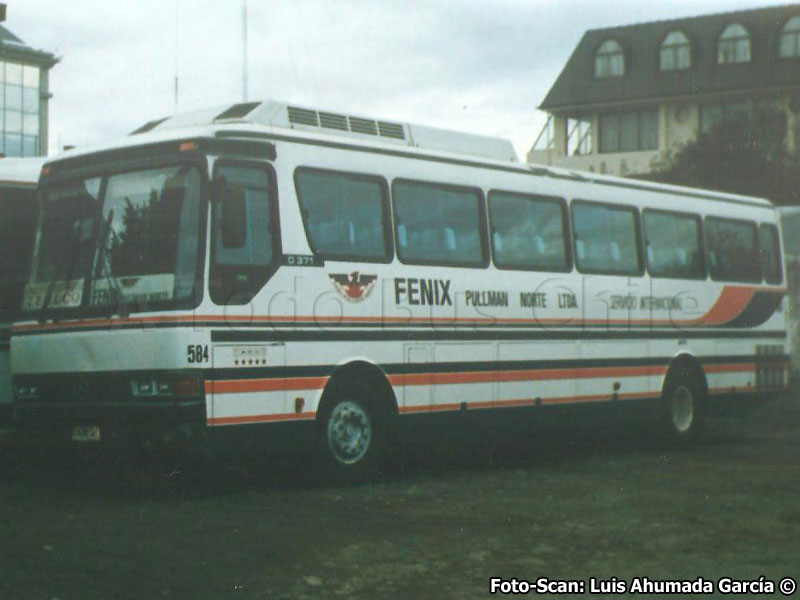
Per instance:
(354,286)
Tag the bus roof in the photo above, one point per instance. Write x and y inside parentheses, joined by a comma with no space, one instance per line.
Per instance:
(277,119)
(645,185)
(281,115)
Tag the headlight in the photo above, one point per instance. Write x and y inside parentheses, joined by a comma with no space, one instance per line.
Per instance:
(26,392)
(152,387)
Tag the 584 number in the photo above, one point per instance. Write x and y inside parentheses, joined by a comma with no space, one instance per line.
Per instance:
(197,353)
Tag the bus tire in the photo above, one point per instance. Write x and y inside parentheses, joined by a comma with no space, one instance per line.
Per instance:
(682,407)
(353,436)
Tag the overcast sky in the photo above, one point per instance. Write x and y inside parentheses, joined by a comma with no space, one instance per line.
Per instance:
(481,66)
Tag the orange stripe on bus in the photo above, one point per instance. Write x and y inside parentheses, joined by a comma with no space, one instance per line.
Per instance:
(729,304)
(523,375)
(730,368)
(526,402)
(241,386)
(321,320)
(600,397)
(261,418)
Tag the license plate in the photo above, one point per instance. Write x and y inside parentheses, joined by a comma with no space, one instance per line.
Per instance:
(86,433)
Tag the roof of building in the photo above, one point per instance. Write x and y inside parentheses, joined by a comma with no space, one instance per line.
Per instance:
(12,47)
(643,81)
(7,36)
(18,171)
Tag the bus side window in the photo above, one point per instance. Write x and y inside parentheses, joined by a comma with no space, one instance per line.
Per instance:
(244,241)
(732,250)
(770,253)
(444,224)
(607,239)
(528,232)
(345,215)
(234,216)
(674,243)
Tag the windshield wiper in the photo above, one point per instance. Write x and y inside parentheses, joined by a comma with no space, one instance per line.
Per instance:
(103,269)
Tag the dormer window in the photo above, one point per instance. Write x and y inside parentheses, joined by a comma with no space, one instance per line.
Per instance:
(676,52)
(790,38)
(734,45)
(609,60)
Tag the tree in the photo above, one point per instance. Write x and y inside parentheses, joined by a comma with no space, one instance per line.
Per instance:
(147,242)
(744,154)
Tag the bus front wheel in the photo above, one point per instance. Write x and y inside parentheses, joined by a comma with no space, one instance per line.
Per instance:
(353,437)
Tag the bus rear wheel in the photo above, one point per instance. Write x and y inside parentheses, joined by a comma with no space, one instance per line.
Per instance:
(353,437)
(682,408)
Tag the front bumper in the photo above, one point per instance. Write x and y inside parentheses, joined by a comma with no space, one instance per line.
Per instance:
(117,422)
(65,401)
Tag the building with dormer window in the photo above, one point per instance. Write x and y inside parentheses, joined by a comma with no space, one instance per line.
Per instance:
(629,94)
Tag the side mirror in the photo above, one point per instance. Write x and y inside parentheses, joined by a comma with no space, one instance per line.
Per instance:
(234,216)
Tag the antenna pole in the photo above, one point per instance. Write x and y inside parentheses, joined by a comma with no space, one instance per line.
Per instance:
(176,55)
(244,50)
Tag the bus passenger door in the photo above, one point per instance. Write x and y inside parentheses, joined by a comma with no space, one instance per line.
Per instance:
(248,384)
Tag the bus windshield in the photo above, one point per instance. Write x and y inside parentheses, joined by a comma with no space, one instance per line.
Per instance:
(124,241)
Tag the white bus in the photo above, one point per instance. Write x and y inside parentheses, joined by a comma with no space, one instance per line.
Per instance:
(314,277)
(18,177)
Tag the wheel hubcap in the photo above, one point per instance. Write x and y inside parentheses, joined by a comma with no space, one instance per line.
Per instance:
(349,432)
(682,409)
